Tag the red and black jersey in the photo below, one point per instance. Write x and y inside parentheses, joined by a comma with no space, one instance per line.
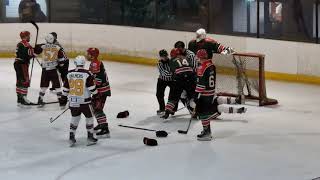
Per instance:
(206,80)
(210,45)
(101,77)
(24,52)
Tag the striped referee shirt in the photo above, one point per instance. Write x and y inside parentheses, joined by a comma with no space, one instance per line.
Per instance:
(191,57)
(164,70)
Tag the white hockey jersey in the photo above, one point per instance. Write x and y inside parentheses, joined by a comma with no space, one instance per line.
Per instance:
(51,55)
(79,87)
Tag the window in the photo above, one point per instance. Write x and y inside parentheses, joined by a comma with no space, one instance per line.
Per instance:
(26,10)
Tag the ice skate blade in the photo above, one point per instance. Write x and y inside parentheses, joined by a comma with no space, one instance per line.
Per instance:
(90,143)
(205,139)
(72,144)
(104,136)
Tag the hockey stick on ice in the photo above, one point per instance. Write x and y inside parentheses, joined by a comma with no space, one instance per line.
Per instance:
(158,133)
(53,119)
(37,27)
(186,131)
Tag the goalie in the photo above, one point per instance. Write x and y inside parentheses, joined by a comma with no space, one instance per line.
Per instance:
(208,104)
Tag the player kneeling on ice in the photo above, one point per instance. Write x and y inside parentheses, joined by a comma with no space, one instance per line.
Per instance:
(208,105)
(53,55)
(79,87)
(103,87)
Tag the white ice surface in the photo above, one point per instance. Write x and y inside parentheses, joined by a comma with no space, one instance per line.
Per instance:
(267,143)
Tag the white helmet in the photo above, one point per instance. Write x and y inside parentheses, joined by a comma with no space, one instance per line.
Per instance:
(201,34)
(49,39)
(80,61)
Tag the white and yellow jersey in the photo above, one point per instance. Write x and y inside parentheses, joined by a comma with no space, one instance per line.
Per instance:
(79,87)
(50,56)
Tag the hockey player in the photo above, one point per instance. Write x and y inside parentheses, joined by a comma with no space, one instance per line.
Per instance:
(52,56)
(24,52)
(64,62)
(190,56)
(184,79)
(103,87)
(164,79)
(210,45)
(208,105)
(78,87)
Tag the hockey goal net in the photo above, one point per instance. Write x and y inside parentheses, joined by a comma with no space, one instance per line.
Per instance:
(242,74)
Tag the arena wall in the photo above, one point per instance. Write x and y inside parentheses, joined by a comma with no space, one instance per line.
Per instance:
(285,60)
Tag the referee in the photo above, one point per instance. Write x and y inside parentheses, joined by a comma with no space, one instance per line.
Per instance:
(164,80)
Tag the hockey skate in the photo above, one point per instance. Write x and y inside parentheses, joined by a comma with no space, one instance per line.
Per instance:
(104,131)
(72,140)
(25,101)
(205,134)
(160,112)
(40,102)
(91,140)
(166,115)
(242,110)
(240,99)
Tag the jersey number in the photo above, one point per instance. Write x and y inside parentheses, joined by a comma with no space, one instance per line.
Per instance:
(183,62)
(211,81)
(50,54)
(76,87)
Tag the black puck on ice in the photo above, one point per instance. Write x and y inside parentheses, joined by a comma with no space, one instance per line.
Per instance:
(161,134)
(150,142)
(123,114)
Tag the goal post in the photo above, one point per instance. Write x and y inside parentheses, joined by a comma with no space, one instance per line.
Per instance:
(242,74)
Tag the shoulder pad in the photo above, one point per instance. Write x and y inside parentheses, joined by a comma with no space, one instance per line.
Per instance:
(25,43)
(210,40)
(95,66)
(203,67)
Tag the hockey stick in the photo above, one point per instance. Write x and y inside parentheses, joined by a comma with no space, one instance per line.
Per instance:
(37,27)
(53,119)
(186,131)
(158,133)
(132,127)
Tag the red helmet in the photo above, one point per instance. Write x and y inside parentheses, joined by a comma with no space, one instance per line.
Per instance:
(94,52)
(202,54)
(175,52)
(24,34)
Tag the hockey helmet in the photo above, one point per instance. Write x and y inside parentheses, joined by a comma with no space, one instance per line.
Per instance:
(202,54)
(175,52)
(201,34)
(93,52)
(49,38)
(163,53)
(55,35)
(24,34)
(80,61)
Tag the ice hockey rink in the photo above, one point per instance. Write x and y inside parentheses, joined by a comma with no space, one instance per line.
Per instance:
(267,143)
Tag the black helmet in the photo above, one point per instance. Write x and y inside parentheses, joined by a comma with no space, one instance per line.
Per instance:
(179,44)
(163,53)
